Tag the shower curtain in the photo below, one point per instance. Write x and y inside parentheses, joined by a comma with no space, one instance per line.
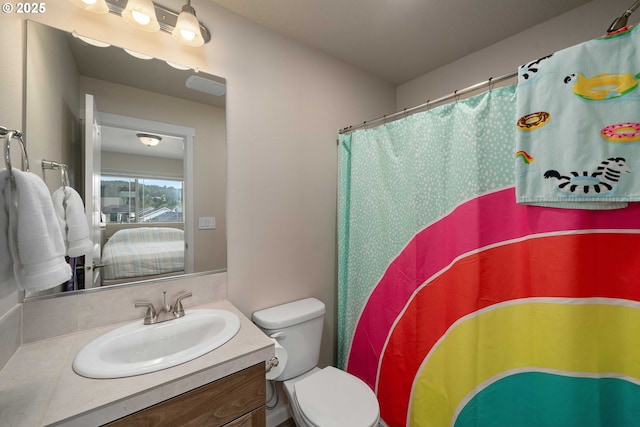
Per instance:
(459,307)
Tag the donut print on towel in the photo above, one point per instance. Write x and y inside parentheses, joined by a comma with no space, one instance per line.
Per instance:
(533,121)
(622,132)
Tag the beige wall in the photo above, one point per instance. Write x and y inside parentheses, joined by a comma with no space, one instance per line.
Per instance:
(285,104)
(581,24)
(52,107)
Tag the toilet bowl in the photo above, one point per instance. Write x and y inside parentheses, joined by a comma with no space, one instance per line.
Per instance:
(326,397)
(331,397)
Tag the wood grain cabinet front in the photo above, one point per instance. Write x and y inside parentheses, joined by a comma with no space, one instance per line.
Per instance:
(237,400)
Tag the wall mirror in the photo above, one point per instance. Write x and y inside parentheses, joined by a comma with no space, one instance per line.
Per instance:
(132,190)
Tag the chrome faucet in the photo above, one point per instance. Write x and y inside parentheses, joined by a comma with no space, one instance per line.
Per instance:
(166,312)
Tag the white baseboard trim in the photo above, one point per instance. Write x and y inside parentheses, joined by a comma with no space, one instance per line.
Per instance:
(280,413)
(277,415)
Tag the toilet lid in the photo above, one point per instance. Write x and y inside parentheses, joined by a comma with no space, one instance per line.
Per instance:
(334,398)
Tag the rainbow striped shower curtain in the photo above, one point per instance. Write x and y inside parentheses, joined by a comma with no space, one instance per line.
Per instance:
(460,307)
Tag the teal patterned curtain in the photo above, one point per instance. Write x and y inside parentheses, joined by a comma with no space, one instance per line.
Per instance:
(398,178)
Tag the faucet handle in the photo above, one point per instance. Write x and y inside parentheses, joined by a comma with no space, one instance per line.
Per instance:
(177,307)
(150,317)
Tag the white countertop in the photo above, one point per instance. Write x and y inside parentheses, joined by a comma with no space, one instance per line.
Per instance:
(38,387)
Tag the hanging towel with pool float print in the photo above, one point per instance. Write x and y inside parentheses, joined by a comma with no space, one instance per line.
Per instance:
(578,125)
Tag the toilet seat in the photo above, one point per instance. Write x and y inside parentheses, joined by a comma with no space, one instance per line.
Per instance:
(331,397)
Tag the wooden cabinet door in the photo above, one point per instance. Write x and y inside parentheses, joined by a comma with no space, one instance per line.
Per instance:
(230,399)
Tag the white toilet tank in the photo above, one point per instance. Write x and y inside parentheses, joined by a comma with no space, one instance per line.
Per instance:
(297,326)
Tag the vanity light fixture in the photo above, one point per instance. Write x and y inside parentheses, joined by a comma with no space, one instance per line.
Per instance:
(148,16)
(95,6)
(148,139)
(187,30)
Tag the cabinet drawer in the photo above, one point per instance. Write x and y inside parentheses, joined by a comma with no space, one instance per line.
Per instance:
(214,404)
(257,418)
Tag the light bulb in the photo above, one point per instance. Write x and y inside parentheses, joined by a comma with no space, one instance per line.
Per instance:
(95,6)
(187,35)
(140,17)
(141,14)
(187,30)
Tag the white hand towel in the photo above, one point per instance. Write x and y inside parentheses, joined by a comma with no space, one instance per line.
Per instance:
(69,209)
(39,247)
(6,262)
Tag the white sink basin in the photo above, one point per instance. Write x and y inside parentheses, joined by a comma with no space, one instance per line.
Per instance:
(137,349)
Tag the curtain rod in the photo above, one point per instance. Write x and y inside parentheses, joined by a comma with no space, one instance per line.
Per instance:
(619,23)
(391,117)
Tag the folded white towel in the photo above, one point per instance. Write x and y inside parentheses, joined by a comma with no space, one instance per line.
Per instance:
(6,262)
(69,209)
(35,238)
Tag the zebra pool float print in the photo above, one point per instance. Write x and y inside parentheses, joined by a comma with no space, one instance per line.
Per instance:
(604,179)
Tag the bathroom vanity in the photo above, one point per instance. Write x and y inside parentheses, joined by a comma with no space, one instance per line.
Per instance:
(225,387)
(233,401)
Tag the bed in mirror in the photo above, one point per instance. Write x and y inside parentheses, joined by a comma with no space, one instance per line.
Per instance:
(144,144)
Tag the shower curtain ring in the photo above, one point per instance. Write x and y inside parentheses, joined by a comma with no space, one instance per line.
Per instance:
(490,84)
(455,95)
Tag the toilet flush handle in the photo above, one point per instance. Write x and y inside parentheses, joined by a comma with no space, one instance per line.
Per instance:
(272,363)
(278,335)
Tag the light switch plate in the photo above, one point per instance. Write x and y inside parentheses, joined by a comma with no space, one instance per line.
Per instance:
(206,223)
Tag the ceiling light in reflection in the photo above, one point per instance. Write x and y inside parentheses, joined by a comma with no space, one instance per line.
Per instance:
(148,139)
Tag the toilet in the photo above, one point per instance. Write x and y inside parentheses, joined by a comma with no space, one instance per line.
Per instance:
(327,397)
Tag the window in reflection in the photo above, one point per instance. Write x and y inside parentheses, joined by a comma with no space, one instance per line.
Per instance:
(141,200)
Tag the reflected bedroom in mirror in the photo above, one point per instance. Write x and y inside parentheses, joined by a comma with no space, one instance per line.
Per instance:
(143,143)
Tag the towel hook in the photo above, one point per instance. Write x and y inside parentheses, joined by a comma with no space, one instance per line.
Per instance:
(64,175)
(10,135)
(64,170)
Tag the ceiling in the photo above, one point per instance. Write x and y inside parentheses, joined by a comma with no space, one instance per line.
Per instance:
(398,40)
